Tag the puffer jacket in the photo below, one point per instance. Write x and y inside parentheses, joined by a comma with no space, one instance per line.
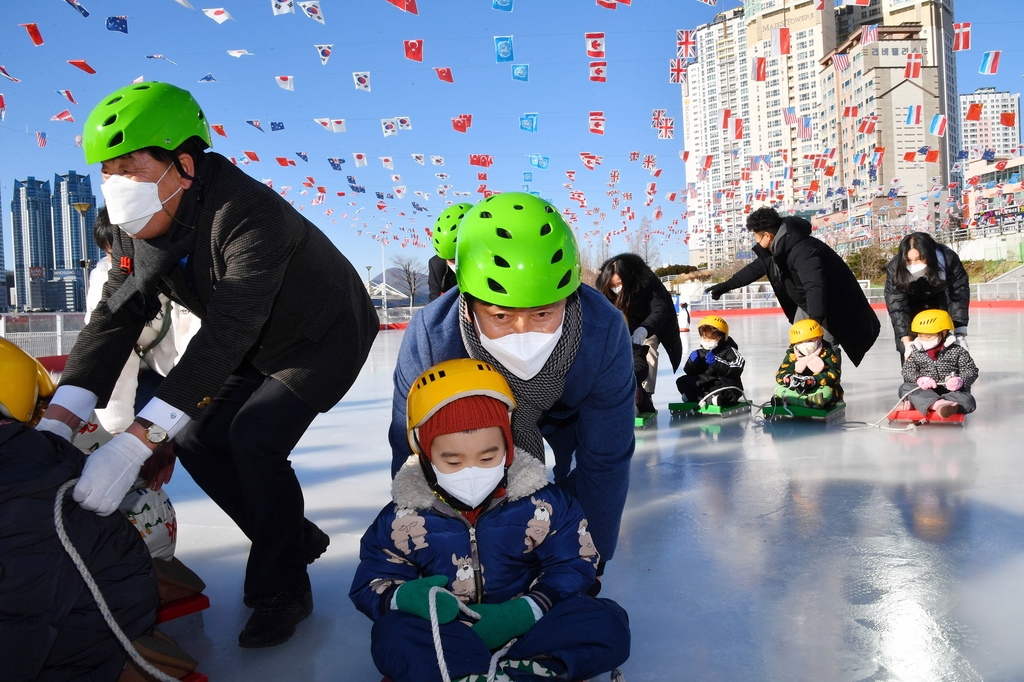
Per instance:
(805,273)
(728,364)
(49,625)
(656,313)
(829,376)
(532,541)
(953,294)
(953,359)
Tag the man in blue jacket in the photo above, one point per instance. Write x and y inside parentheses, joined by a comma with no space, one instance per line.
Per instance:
(563,348)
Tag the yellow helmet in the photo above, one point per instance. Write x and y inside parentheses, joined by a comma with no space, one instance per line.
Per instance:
(805,330)
(24,381)
(931,322)
(448,381)
(716,322)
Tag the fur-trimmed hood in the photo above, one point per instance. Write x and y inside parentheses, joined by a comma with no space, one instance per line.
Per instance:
(410,489)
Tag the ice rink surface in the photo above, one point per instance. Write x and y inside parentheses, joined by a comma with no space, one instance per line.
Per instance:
(782,552)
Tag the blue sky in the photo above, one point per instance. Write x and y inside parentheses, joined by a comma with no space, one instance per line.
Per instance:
(367,36)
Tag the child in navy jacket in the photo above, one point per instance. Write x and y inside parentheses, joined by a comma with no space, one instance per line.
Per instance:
(479,520)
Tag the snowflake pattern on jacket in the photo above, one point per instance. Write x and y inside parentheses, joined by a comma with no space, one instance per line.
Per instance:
(953,359)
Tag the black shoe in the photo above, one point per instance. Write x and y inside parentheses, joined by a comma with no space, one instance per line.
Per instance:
(316,544)
(646,405)
(274,620)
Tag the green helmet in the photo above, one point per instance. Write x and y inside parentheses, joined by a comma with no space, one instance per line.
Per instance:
(143,115)
(445,227)
(516,251)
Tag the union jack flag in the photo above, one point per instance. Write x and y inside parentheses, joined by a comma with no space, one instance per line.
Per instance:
(41,139)
(318,199)
(634,156)
(789,115)
(666,128)
(613,176)
(676,71)
(841,62)
(686,44)
(650,161)
(656,116)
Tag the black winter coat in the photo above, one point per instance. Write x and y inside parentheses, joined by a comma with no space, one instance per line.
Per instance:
(805,273)
(953,295)
(50,627)
(656,313)
(728,366)
(441,278)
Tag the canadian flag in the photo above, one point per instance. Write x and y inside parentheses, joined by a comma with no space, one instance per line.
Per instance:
(597,122)
(595,45)
(414,50)
(599,72)
(444,73)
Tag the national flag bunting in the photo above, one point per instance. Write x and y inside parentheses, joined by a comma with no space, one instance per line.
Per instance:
(595,45)
(686,44)
(974,111)
(915,61)
(869,34)
(1008,119)
(962,37)
(677,71)
(414,50)
(758,68)
(990,63)
(841,62)
(599,72)
(914,114)
(938,126)
(780,42)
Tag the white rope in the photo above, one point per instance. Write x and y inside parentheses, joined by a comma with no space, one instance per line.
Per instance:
(435,631)
(860,426)
(703,401)
(58,521)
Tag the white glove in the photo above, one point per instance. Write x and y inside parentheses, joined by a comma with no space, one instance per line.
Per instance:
(110,472)
(639,336)
(56,427)
(961,337)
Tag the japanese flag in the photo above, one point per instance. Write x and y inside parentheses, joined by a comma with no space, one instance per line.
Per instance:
(360,158)
(286,82)
(388,163)
(218,14)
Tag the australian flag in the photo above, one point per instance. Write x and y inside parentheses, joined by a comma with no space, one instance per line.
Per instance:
(359,189)
(81,10)
(962,154)
(305,157)
(118,24)
(418,207)
(380,195)
(351,179)
(335,162)
(893,193)
(276,125)
(989,155)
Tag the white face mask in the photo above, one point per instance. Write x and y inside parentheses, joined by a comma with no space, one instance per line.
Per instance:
(471,485)
(917,269)
(522,354)
(708,345)
(808,348)
(929,344)
(616,290)
(131,204)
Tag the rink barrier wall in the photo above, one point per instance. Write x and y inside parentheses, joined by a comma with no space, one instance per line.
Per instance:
(745,312)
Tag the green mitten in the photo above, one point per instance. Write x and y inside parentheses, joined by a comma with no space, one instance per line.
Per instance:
(502,622)
(413,597)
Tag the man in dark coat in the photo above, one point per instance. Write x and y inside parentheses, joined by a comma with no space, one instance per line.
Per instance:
(287,325)
(441,277)
(810,281)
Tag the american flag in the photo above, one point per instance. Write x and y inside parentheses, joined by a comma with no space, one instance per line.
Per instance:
(78,140)
(318,199)
(803,128)
(841,62)
(789,114)
(869,35)
(686,44)
(41,139)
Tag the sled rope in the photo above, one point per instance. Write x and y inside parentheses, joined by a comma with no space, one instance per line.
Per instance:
(860,426)
(435,631)
(703,401)
(58,520)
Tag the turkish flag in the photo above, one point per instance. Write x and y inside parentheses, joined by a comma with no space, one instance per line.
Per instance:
(459,124)
(481,176)
(444,73)
(1008,119)
(974,112)
(1001,165)
(414,50)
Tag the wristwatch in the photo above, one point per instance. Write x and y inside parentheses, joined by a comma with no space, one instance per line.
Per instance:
(155,433)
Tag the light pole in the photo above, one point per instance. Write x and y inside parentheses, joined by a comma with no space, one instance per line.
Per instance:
(369,287)
(85,263)
(383,282)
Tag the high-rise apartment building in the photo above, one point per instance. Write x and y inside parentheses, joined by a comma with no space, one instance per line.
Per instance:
(32,227)
(716,115)
(74,214)
(991,131)
(879,121)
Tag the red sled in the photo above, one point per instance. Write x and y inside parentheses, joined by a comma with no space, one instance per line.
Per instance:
(195,677)
(931,418)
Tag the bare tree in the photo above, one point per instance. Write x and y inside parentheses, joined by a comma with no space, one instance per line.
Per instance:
(642,243)
(411,276)
(591,259)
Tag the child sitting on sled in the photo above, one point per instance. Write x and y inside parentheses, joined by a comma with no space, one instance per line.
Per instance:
(939,366)
(714,368)
(809,374)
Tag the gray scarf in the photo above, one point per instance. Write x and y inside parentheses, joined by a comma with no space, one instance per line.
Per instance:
(539,394)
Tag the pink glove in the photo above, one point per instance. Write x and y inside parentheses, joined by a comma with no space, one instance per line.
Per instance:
(926,383)
(815,363)
(801,364)
(954,383)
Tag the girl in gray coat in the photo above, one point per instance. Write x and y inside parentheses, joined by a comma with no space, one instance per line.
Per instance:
(939,367)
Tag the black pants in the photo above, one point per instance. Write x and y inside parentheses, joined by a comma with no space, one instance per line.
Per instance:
(237,452)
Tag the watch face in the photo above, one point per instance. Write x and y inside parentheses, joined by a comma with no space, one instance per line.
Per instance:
(156,434)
